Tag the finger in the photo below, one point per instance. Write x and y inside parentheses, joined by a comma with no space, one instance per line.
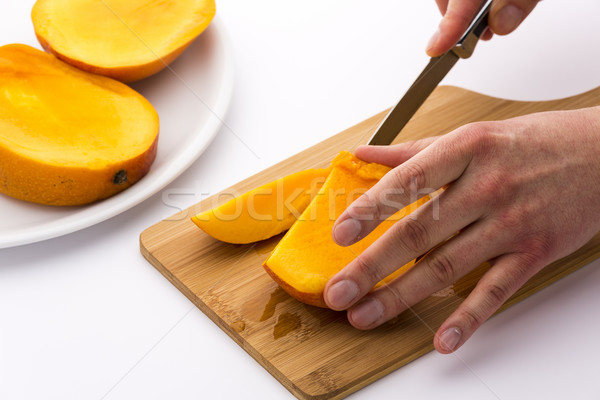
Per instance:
(407,239)
(442,6)
(502,280)
(395,154)
(487,34)
(456,20)
(438,164)
(506,15)
(437,270)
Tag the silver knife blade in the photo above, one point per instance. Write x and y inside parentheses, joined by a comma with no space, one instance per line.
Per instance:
(428,80)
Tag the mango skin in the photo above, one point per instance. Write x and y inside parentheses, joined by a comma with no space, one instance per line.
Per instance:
(125,74)
(56,186)
(68,137)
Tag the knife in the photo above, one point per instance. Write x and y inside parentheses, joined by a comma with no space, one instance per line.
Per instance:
(428,80)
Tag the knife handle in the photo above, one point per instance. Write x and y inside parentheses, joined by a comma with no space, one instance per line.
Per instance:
(466,45)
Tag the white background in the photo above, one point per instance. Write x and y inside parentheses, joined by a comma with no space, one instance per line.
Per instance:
(84,316)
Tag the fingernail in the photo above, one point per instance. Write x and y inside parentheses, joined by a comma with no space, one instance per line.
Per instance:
(341,294)
(508,18)
(347,231)
(366,313)
(450,338)
(432,41)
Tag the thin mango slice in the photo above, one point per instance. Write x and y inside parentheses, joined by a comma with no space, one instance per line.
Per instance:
(262,212)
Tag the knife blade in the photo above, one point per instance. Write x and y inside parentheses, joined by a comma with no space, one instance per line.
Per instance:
(428,80)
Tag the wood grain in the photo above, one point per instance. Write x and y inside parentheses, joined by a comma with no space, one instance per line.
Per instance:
(314,352)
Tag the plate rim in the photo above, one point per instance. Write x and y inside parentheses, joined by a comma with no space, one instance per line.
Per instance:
(121,202)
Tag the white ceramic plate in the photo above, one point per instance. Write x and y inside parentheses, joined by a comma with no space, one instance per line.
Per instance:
(191,98)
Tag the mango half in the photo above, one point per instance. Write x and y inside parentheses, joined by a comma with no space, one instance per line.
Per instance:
(68,137)
(307,257)
(124,39)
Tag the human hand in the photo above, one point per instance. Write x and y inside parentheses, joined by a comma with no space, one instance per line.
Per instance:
(505,16)
(522,192)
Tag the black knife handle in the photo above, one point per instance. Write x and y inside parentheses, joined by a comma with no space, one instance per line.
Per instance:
(466,45)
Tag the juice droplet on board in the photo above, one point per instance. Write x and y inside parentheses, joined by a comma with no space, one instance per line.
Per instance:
(286,323)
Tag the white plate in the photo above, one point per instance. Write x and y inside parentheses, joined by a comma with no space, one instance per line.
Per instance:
(191,99)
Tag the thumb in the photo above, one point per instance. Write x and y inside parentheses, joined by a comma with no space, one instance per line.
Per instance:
(506,15)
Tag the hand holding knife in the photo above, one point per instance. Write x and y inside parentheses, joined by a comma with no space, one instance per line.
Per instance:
(428,80)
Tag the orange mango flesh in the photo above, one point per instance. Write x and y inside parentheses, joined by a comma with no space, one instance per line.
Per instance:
(307,257)
(262,212)
(68,137)
(125,39)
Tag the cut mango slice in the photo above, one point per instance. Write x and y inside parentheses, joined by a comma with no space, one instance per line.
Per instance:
(262,212)
(307,257)
(124,39)
(68,137)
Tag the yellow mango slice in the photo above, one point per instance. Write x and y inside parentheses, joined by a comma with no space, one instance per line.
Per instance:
(124,39)
(68,137)
(262,212)
(307,257)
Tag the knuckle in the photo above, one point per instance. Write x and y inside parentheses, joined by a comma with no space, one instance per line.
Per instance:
(412,235)
(478,133)
(511,224)
(379,211)
(480,137)
(442,269)
(497,294)
(410,175)
(364,207)
(397,304)
(525,236)
(413,146)
(366,268)
(471,319)
(392,300)
(495,187)
(536,248)
(509,221)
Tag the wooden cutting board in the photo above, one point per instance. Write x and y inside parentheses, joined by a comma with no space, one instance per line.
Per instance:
(314,352)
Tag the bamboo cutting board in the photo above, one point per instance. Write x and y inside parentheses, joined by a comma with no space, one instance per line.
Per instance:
(314,352)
